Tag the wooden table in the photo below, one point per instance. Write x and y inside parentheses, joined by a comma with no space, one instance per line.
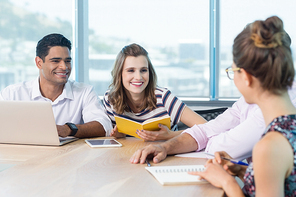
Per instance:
(76,169)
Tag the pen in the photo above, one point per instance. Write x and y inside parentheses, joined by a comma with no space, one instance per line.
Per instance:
(231,160)
(148,164)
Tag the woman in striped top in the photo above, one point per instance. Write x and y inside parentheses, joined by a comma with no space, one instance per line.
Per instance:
(134,95)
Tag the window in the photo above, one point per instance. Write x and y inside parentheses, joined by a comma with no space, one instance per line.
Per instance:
(175,34)
(23,24)
(235,15)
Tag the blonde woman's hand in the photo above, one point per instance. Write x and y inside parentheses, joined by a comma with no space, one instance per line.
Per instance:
(215,174)
(231,168)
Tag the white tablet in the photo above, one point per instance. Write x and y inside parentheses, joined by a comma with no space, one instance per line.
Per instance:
(103,143)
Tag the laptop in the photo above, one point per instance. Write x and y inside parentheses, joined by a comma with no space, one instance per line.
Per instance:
(29,122)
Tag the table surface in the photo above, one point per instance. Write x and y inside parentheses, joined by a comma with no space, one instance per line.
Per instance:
(76,169)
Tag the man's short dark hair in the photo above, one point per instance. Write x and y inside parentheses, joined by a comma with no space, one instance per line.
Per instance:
(49,41)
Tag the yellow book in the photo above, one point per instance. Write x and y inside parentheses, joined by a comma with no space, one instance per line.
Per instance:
(130,127)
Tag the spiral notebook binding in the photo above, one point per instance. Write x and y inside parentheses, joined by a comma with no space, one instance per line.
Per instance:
(179,170)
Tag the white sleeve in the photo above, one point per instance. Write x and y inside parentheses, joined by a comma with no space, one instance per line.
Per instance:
(235,131)
(1,97)
(224,122)
(239,141)
(93,110)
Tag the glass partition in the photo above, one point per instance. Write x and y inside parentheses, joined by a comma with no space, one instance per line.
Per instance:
(22,25)
(235,15)
(175,34)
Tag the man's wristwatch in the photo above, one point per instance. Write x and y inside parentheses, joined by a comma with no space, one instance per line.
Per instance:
(73,128)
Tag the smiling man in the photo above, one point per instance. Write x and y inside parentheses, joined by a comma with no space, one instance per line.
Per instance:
(77,109)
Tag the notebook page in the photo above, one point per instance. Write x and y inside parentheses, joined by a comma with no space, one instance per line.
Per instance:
(175,175)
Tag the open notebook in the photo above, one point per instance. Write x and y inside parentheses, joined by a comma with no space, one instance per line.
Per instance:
(29,122)
(176,175)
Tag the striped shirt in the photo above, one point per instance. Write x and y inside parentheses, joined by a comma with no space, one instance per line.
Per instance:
(166,104)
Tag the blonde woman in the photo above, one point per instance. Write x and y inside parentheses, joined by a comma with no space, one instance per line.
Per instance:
(263,71)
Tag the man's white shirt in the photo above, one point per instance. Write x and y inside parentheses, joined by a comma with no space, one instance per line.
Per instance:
(77,104)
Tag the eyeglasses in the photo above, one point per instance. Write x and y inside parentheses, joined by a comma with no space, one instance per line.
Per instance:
(230,72)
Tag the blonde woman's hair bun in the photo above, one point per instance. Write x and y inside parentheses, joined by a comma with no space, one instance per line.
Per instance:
(261,43)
